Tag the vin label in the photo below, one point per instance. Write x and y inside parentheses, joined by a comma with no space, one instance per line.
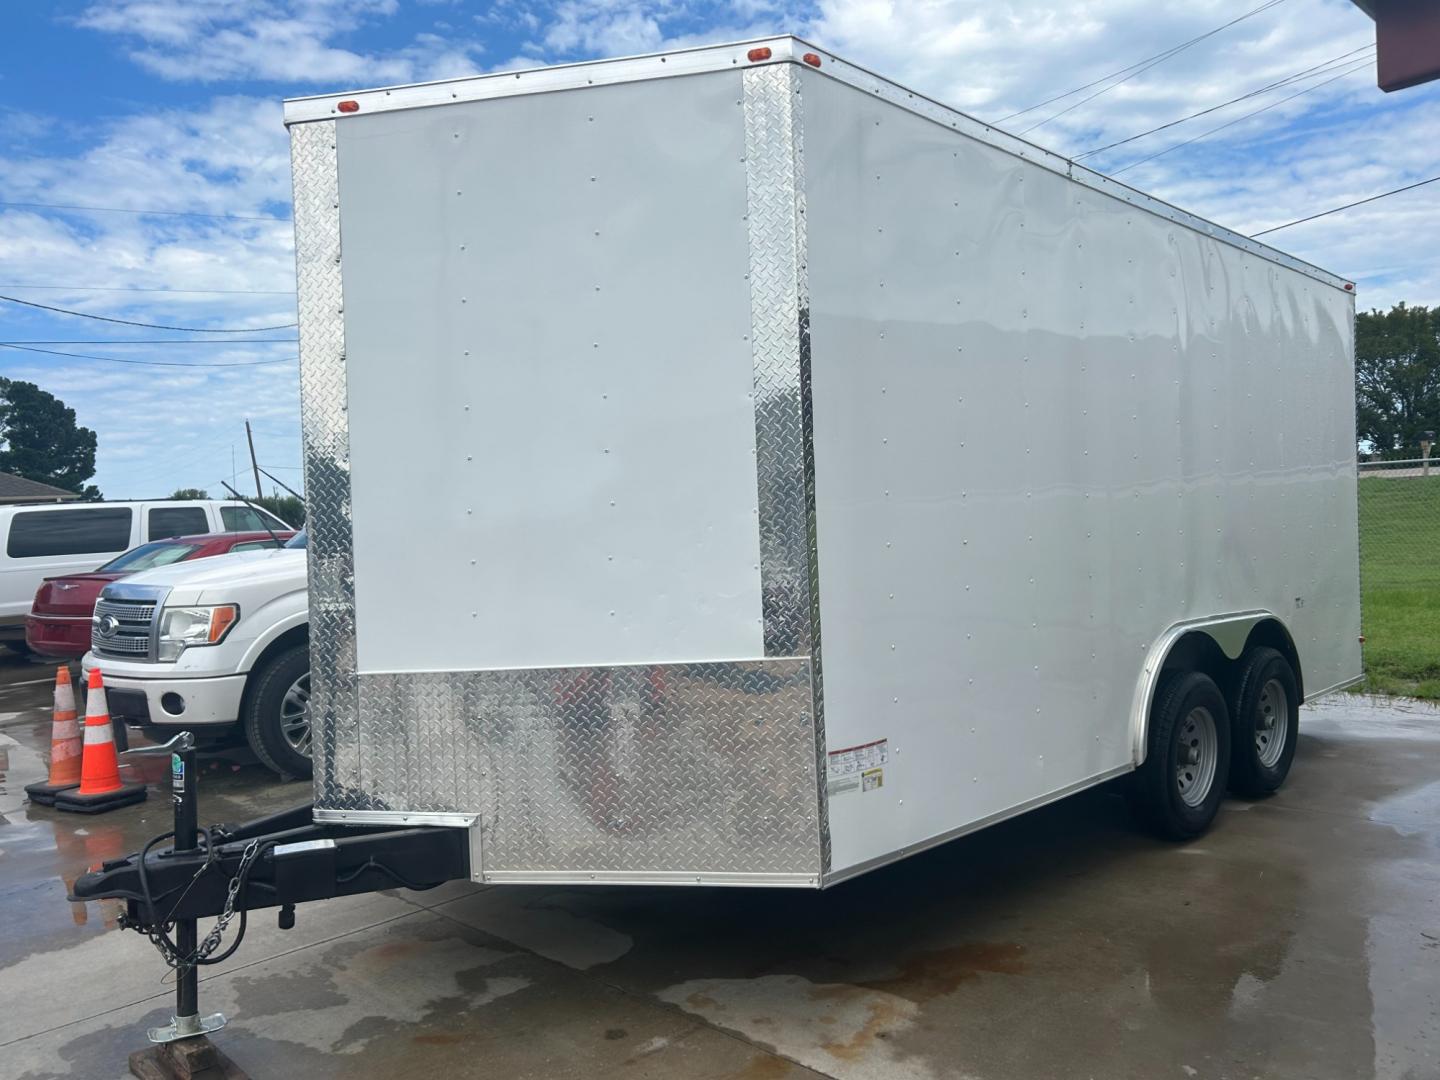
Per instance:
(856,768)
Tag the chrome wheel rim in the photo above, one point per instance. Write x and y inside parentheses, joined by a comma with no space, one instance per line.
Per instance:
(1198,752)
(1272,723)
(295,715)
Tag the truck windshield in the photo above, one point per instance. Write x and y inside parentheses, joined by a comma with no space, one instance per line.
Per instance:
(148,556)
(299,540)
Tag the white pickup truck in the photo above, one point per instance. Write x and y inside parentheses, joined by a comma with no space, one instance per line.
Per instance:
(202,646)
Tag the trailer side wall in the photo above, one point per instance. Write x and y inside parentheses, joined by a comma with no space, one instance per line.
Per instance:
(1048,426)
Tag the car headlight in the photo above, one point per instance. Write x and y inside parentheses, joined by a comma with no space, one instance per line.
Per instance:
(184,628)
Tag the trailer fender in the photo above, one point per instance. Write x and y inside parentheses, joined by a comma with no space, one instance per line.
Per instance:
(1210,644)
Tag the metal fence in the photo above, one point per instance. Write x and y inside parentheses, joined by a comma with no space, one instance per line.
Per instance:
(1400,574)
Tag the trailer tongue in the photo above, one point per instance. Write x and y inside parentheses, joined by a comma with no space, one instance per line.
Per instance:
(225,872)
(276,861)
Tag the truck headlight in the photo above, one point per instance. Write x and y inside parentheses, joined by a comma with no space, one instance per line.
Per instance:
(183,628)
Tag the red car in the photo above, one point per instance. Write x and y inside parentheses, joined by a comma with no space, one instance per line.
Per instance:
(59,621)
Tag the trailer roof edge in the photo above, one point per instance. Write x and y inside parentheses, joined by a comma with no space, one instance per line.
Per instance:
(781,49)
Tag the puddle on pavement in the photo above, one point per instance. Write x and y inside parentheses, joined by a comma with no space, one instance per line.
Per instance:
(43,850)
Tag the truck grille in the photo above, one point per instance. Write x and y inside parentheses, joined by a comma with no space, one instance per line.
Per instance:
(122,628)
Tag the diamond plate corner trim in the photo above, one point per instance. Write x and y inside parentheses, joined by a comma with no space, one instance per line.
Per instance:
(780,343)
(683,771)
(325,434)
(777,315)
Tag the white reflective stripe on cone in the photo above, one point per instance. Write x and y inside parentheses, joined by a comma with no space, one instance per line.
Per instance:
(98,733)
(95,704)
(64,697)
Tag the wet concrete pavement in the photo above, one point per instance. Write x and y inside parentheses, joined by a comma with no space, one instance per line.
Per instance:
(1300,938)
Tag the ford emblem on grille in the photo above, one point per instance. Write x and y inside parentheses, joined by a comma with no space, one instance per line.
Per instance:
(107,625)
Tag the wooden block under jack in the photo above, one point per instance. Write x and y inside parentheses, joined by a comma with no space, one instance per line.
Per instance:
(195,1058)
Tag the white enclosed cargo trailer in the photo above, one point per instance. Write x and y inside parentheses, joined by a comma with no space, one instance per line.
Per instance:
(725,368)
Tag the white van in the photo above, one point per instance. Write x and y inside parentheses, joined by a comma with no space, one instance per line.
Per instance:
(37,542)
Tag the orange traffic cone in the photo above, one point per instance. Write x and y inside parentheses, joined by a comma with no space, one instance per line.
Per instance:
(64,745)
(100,785)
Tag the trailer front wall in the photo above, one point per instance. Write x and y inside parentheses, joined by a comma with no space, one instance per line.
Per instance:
(552,410)
(1048,425)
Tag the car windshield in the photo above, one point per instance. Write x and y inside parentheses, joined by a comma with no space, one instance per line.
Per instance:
(299,540)
(148,556)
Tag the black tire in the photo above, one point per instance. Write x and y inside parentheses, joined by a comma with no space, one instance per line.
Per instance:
(1257,767)
(1168,804)
(264,697)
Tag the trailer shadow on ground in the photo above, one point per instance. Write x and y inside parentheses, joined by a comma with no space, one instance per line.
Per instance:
(1300,938)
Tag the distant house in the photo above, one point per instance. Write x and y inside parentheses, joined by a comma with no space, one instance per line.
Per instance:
(16,490)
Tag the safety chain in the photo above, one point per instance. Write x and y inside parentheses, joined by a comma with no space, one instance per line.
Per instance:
(159,935)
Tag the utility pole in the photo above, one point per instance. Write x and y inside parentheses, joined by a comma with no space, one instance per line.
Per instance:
(259,494)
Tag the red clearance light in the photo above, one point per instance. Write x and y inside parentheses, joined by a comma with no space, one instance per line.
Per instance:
(1349,286)
(349,106)
(811,59)
(756,55)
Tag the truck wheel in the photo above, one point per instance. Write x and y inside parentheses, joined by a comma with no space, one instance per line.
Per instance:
(1265,719)
(1178,790)
(277,712)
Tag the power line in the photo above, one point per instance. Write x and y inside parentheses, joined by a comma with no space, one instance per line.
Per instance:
(143,212)
(147,363)
(1347,206)
(1318,69)
(151,341)
(1147,66)
(149,289)
(1166,54)
(1363,64)
(147,325)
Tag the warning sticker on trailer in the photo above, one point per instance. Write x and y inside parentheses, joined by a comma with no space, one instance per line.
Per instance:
(857,768)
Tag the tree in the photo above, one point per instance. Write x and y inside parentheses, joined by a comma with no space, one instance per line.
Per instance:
(189,493)
(286,507)
(1397,377)
(40,440)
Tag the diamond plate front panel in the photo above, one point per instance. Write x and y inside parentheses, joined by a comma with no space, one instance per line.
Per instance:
(325,432)
(704,769)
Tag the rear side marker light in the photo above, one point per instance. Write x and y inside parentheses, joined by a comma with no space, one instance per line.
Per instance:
(349,106)
(1349,287)
(811,59)
(756,55)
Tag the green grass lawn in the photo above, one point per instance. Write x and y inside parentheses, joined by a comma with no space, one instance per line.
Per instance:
(1400,584)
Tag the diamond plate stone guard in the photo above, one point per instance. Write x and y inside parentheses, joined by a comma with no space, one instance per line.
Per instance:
(689,769)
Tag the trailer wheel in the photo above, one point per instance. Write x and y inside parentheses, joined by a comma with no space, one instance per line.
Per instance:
(1265,719)
(277,712)
(1178,790)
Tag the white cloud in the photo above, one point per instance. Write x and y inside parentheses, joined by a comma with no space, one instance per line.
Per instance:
(278,40)
(230,157)
(161,428)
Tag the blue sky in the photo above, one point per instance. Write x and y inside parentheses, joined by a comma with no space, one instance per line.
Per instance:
(174,105)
